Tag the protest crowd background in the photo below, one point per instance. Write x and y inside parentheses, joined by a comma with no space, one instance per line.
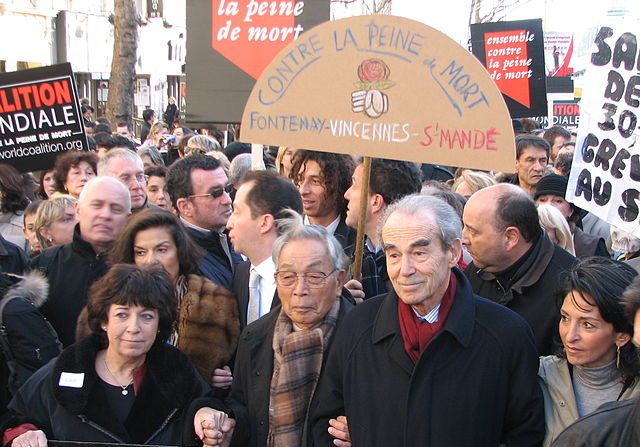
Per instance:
(177,285)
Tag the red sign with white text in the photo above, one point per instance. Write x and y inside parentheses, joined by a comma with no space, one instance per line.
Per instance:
(508,63)
(250,34)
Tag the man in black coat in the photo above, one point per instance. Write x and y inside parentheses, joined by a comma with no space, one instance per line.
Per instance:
(514,263)
(281,355)
(430,363)
(102,211)
(199,191)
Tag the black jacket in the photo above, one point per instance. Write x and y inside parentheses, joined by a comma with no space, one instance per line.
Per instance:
(615,424)
(532,292)
(12,258)
(474,385)
(71,269)
(249,397)
(162,413)
(215,264)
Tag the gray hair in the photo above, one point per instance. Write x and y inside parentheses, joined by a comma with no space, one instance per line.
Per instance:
(240,164)
(416,205)
(103,163)
(153,153)
(294,229)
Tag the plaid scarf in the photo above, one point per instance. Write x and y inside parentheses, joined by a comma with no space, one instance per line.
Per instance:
(297,362)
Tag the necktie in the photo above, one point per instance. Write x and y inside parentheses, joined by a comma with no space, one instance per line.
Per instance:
(225,247)
(253,312)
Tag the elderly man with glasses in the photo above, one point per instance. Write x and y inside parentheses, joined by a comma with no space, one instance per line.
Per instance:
(199,191)
(281,355)
(125,165)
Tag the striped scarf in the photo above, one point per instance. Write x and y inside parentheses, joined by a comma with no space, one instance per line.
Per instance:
(297,362)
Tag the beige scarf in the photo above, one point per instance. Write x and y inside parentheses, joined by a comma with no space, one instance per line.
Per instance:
(297,362)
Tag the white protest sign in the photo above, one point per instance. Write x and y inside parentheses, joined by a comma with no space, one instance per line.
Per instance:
(605,176)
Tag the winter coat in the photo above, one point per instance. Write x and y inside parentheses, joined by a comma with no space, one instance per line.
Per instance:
(560,408)
(23,325)
(532,292)
(162,413)
(616,424)
(208,325)
(250,392)
(474,384)
(11,229)
(71,269)
(12,258)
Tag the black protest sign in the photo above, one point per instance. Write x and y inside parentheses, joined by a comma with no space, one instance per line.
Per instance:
(513,54)
(605,176)
(39,117)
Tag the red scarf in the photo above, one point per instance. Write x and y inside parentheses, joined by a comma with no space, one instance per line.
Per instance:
(417,334)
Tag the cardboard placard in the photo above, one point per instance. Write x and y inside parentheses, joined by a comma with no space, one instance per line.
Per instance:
(513,53)
(39,117)
(605,175)
(230,44)
(382,86)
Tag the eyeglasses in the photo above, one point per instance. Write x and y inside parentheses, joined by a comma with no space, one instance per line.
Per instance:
(312,279)
(215,193)
(140,178)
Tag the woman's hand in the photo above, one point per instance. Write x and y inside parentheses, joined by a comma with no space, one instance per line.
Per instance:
(213,427)
(222,378)
(340,430)
(32,438)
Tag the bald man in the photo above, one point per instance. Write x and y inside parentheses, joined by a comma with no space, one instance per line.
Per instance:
(514,262)
(102,211)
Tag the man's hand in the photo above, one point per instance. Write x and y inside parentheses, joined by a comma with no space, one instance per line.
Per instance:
(340,430)
(355,288)
(213,427)
(32,438)
(222,378)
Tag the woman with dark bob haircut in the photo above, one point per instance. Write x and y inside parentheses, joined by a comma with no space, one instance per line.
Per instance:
(597,363)
(123,383)
(208,325)
(73,170)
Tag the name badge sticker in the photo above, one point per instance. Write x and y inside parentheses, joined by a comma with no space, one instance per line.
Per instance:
(71,380)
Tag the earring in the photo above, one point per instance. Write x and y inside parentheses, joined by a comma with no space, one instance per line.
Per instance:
(104,328)
(618,358)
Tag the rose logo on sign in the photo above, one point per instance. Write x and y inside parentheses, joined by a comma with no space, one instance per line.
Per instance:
(374,77)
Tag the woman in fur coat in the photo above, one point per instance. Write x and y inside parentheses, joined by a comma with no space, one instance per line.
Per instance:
(208,326)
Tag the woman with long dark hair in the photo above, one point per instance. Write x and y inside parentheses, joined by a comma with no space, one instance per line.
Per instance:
(208,325)
(598,362)
(13,201)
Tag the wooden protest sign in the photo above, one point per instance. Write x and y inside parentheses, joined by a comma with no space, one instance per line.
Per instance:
(382,86)
(39,117)
(605,175)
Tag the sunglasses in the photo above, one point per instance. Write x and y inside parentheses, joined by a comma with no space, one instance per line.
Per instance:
(215,193)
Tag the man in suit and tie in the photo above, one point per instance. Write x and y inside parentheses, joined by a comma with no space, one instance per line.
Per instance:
(260,202)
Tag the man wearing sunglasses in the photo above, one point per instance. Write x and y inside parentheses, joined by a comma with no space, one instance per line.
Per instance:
(199,192)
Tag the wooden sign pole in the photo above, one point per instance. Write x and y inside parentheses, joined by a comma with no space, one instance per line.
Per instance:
(364,196)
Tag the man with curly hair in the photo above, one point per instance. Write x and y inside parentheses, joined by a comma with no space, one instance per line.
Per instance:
(322,179)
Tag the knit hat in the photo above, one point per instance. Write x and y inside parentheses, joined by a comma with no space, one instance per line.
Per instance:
(552,184)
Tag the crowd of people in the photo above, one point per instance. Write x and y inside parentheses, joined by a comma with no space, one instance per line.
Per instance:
(198,300)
